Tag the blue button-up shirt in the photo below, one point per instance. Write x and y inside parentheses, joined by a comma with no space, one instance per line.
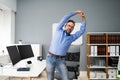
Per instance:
(61,41)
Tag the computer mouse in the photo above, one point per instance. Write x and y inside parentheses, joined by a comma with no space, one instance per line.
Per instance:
(29,62)
(39,58)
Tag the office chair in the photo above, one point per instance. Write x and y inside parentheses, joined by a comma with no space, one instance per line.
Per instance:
(72,62)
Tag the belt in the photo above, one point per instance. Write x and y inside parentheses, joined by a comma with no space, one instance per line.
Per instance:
(56,56)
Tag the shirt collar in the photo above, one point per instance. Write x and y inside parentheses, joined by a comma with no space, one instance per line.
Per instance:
(68,34)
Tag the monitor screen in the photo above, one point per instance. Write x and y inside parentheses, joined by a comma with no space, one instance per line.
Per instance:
(25,51)
(14,54)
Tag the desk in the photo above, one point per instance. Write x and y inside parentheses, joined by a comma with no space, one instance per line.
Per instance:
(36,68)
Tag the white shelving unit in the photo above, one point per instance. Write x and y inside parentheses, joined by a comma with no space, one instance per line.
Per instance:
(103,50)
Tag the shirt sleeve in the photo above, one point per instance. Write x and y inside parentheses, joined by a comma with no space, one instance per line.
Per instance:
(64,20)
(80,32)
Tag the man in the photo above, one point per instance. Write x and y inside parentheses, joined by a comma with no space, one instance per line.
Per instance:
(60,44)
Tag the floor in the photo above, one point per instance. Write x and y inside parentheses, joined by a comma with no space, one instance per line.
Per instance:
(43,77)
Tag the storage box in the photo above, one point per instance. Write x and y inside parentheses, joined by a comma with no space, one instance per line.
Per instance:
(101,75)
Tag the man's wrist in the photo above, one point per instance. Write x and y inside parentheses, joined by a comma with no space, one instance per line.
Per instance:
(83,16)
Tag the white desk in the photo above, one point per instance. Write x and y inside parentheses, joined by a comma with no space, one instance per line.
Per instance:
(36,68)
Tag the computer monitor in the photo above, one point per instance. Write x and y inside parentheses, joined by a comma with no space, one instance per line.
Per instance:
(14,54)
(25,51)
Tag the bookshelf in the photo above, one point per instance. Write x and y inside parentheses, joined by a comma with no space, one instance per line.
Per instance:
(103,50)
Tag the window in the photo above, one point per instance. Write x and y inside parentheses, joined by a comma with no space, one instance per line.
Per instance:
(7,18)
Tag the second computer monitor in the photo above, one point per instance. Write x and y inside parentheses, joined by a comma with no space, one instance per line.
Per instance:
(25,51)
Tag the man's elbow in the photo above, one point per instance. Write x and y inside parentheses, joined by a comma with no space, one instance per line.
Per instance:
(83,30)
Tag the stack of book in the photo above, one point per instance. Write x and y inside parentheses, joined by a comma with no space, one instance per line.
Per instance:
(113,61)
(113,38)
(98,50)
(114,50)
(99,62)
(98,74)
(97,38)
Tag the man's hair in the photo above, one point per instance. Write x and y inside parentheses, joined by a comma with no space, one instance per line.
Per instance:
(71,21)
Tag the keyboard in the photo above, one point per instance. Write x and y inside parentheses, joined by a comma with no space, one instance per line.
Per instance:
(23,69)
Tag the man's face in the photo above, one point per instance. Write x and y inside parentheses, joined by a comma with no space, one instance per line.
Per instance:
(69,27)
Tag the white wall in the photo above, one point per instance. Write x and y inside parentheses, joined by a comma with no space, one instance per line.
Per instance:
(12,4)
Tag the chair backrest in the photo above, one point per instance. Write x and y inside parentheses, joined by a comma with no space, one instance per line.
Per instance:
(73,56)
(73,53)
(73,59)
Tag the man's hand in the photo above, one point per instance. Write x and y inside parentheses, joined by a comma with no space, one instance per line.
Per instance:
(81,13)
(78,11)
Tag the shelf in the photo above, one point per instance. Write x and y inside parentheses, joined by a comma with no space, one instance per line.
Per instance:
(104,44)
(111,67)
(117,44)
(112,56)
(96,44)
(101,56)
(103,49)
(97,67)
(103,32)
(98,78)
(96,56)
(112,78)
(102,79)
